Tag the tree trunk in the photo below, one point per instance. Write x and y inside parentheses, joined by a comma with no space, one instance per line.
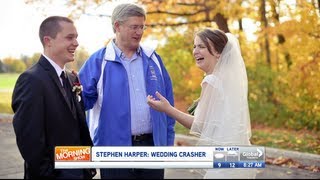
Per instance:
(221,22)
(265,23)
(241,26)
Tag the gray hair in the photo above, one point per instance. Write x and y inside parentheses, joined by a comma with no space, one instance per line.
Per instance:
(123,11)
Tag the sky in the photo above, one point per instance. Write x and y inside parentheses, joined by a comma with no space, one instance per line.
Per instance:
(19,27)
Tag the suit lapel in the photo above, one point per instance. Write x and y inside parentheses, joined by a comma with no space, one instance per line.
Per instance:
(53,75)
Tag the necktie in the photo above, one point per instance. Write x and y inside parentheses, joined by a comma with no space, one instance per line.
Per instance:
(66,87)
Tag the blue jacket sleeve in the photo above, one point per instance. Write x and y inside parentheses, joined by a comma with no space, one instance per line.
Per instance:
(170,98)
(89,75)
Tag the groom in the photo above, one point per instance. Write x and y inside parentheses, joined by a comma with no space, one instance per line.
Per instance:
(47,112)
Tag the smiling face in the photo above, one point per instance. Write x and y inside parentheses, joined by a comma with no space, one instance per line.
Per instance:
(61,48)
(129,33)
(204,59)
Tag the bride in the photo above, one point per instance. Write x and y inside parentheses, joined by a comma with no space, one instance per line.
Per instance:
(222,115)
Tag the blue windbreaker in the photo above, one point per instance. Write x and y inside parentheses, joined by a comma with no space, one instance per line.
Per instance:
(107,98)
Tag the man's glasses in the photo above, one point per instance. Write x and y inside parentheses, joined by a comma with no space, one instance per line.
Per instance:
(137,27)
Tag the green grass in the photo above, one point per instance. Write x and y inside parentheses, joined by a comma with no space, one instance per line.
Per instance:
(5,102)
(181,129)
(302,141)
(8,80)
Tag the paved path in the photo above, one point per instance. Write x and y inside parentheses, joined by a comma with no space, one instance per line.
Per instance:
(11,163)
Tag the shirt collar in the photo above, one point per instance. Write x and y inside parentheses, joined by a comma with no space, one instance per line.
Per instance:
(56,67)
(119,53)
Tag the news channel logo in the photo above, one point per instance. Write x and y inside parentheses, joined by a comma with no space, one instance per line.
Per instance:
(254,153)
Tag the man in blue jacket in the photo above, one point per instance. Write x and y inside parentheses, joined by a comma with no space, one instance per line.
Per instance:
(116,81)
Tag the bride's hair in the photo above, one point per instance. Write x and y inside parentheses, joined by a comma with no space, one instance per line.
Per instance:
(215,38)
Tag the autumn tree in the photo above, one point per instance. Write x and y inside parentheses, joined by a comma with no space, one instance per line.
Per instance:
(29,61)
(14,65)
(3,67)
(281,54)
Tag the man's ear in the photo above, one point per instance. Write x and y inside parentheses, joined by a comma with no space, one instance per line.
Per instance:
(47,40)
(117,26)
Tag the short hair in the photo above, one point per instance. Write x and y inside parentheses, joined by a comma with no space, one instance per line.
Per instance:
(122,12)
(217,37)
(51,26)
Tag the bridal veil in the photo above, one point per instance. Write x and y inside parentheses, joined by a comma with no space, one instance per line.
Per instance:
(222,115)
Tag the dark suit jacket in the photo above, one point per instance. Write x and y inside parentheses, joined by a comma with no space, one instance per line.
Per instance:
(43,119)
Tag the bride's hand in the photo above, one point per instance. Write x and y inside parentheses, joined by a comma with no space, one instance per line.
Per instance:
(160,105)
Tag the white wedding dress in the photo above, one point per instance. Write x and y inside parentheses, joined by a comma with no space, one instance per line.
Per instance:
(222,115)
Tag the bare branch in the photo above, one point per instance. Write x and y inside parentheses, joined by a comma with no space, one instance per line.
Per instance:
(177,14)
(195,3)
(99,15)
(179,24)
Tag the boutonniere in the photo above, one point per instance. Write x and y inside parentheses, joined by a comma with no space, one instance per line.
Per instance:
(77,88)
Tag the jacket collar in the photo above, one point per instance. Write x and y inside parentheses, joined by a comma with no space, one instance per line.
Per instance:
(110,54)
